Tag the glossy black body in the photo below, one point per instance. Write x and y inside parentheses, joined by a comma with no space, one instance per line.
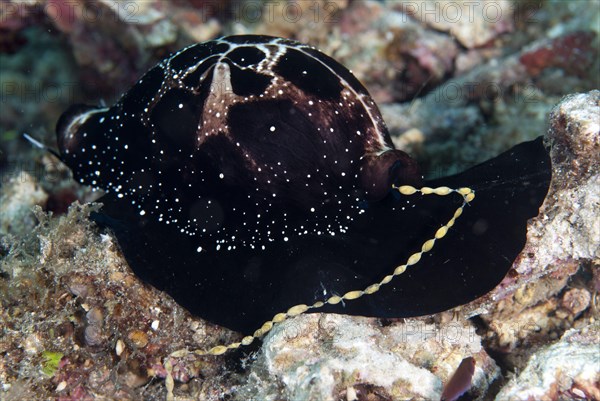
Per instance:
(250,174)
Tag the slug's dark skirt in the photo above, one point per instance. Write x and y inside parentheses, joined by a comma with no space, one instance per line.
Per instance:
(241,289)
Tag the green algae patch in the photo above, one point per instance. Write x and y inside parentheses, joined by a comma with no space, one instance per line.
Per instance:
(50,362)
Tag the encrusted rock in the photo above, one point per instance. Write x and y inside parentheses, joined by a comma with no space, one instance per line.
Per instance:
(565,370)
(325,357)
(18,194)
(474,23)
(72,296)
(576,300)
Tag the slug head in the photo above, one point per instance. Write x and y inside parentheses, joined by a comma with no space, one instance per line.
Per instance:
(393,167)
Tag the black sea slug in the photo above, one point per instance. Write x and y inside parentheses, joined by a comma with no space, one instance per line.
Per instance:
(253,179)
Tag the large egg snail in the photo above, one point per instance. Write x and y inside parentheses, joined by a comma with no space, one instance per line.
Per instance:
(253,179)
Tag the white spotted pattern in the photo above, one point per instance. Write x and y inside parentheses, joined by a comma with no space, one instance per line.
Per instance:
(143,148)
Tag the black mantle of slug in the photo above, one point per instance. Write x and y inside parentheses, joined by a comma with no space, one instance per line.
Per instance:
(242,289)
(250,174)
